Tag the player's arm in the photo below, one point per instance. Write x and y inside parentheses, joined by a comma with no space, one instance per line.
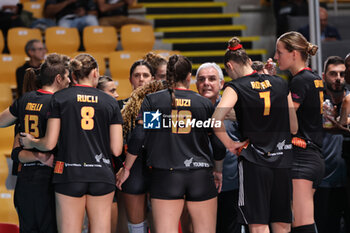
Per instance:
(116,139)
(6,118)
(228,101)
(293,120)
(345,111)
(103,6)
(46,143)
(26,156)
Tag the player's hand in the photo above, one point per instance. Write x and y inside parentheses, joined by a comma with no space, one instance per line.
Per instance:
(270,67)
(218,180)
(45,158)
(236,147)
(121,177)
(25,140)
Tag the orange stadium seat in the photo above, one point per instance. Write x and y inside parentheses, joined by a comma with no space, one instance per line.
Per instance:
(8,65)
(2,42)
(5,96)
(8,212)
(17,39)
(62,40)
(119,65)
(101,39)
(137,37)
(9,228)
(35,7)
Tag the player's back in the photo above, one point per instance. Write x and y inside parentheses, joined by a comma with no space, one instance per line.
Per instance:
(262,112)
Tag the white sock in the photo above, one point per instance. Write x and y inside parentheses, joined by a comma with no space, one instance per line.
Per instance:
(138,228)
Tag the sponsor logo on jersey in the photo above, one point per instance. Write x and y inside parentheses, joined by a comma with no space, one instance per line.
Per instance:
(104,160)
(295,96)
(283,146)
(59,167)
(188,162)
(151,120)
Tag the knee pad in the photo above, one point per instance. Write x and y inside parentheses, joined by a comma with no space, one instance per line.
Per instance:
(137,228)
(305,229)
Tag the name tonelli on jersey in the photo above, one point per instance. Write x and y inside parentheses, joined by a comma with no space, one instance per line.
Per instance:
(87,98)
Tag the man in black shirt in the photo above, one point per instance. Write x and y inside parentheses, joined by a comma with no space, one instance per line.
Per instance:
(36,51)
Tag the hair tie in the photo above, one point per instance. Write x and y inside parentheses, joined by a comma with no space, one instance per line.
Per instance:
(239,46)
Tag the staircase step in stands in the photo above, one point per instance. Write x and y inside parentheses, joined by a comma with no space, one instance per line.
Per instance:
(218,56)
(175,20)
(211,43)
(175,1)
(184,7)
(202,31)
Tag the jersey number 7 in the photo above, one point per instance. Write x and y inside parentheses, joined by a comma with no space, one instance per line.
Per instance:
(267,101)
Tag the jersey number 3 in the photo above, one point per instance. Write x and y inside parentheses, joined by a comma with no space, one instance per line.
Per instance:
(31,125)
(87,113)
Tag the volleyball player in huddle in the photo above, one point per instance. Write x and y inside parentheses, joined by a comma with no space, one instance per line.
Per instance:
(34,194)
(266,117)
(88,122)
(292,53)
(181,159)
(158,64)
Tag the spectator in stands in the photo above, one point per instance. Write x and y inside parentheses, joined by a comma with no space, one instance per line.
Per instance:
(115,13)
(328,33)
(330,197)
(72,13)
(36,51)
(9,15)
(347,71)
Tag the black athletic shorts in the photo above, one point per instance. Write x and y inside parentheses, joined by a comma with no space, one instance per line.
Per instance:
(264,194)
(308,164)
(79,189)
(191,185)
(139,178)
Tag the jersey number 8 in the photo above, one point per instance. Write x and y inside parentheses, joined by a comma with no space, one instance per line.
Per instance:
(87,113)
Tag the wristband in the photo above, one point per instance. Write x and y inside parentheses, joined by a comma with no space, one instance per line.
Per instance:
(15,153)
(128,169)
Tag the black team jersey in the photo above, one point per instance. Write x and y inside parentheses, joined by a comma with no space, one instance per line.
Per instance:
(179,138)
(31,110)
(307,90)
(86,114)
(263,117)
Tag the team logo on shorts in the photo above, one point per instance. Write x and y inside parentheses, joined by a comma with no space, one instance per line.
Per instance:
(151,120)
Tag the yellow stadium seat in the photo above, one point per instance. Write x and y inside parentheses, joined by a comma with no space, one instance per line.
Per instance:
(8,65)
(124,88)
(2,42)
(5,96)
(62,40)
(137,37)
(36,8)
(17,39)
(101,39)
(100,58)
(120,63)
(8,212)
